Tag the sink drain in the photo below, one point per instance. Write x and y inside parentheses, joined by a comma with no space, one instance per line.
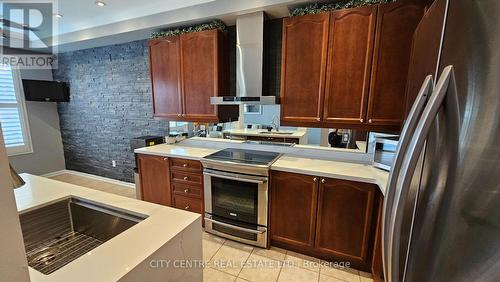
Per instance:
(45,256)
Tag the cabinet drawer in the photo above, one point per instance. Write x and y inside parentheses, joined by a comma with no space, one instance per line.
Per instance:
(188,204)
(186,165)
(188,191)
(187,178)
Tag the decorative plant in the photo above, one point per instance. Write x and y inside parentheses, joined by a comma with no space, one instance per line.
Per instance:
(325,7)
(215,24)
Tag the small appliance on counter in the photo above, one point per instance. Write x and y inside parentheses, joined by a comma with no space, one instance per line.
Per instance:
(385,151)
(141,142)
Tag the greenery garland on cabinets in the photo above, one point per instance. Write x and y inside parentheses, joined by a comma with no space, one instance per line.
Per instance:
(215,24)
(325,7)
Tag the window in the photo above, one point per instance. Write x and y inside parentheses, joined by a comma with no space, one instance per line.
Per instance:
(13,116)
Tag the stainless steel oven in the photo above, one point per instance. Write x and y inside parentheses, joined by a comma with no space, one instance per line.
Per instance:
(236,195)
(236,205)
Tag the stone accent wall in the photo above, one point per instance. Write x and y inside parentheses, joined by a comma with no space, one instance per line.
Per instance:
(110,103)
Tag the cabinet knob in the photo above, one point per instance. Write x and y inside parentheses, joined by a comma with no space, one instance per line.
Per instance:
(185,178)
(185,165)
(370,121)
(318,119)
(165,159)
(315,179)
(186,190)
(179,115)
(323,180)
(361,120)
(183,115)
(187,207)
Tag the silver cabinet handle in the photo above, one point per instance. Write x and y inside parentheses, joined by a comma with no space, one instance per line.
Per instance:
(446,85)
(165,159)
(187,207)
(315,179)
(235,227)
(179,115)
(406,136)
(185,165)
(230,176)
(186,190)
(185,178)
(323,180)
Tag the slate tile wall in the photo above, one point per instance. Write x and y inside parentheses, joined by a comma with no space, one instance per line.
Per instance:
(110,103)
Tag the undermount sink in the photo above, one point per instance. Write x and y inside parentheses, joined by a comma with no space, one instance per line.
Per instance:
(59,233)
(276,132)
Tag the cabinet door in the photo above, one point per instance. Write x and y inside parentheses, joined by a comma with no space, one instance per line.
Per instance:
(345,219)
(199,64)
(425,50)
(304,52)
(164,66)
(396,23)
(349,62)
(155,179)
(293,209)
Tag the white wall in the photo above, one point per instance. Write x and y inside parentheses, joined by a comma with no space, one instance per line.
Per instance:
(13,263)
(48,154)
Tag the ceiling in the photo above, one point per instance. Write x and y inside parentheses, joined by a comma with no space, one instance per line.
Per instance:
(84,14)
(86,25)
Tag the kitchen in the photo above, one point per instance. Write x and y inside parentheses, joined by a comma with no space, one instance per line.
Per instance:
(271,140)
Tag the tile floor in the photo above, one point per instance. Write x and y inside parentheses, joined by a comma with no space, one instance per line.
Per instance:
(231,261)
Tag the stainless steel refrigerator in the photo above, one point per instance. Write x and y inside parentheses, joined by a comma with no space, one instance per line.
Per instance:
(442,205)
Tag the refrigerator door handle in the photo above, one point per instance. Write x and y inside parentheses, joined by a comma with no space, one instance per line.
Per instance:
(409,164)
(406,136)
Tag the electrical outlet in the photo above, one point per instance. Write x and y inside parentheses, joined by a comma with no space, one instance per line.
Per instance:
(113,163)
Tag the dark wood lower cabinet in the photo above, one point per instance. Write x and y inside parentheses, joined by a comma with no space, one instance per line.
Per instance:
(331,219)
(345,220)
(293,208)
(377,264)
(155,179)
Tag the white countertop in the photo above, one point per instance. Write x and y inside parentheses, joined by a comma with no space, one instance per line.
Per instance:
(116,257)
(333,169)
(287,163)
(167,150)
(257,132)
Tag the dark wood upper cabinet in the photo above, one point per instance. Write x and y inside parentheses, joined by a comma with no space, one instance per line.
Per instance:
(349,63)
(425,50)
(304,52)
(155,179)
(396,23)
(185,72)
(359,79)
(293,209)
(165,77)
(200,74)
(345,219)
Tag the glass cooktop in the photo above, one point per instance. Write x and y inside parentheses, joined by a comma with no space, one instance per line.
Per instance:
(244,156)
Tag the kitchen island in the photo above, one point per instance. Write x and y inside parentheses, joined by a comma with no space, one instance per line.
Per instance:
(142,252)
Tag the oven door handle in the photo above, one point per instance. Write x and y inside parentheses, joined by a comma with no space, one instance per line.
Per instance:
(258,180)
(235,227)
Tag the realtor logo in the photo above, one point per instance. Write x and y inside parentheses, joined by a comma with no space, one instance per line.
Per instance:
(27,30)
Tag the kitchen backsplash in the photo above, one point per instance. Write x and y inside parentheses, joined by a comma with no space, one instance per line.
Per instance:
(110,103)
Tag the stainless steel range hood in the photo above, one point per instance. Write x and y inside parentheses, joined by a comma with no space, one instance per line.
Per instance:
(249,57)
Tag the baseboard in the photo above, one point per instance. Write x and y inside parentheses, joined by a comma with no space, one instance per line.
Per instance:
(96,177)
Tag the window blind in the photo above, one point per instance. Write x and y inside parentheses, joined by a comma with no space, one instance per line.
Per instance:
(10,111)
